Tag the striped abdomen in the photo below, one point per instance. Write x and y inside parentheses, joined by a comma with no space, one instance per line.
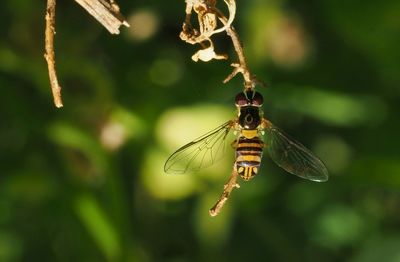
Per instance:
(248,156)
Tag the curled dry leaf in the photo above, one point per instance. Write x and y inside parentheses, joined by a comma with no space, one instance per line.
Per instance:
(208,54)
(207,16)
(232,12)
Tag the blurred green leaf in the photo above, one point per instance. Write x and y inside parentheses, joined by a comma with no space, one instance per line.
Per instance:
(10,247)
(72,137)
(213,232)
(98,226)
(377,37)
(381,171)
(333,108)
(379,249)
(339,226)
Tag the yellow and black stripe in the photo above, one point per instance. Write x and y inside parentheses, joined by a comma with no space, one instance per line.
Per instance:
(248,156)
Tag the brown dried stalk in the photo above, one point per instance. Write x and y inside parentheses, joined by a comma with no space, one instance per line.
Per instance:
(241,67)
(208,16)
(228,188)
(106,12)
(49,52)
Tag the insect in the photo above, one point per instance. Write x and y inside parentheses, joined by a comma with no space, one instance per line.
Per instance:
(254,133)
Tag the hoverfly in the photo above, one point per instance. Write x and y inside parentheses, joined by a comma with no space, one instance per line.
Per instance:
(254,134)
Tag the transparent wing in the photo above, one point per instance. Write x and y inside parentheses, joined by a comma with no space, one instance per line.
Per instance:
(293,156)
(200,153)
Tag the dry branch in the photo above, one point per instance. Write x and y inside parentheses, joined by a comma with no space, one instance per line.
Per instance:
(106,13)
(208,17)
(49,52)
(250,80)
(228,188)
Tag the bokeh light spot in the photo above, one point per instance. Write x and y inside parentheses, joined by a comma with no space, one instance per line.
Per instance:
(184,124)
(165,72)
(113,135)
(338,226)
(335,152)
(180,126)
(144,24)
(163,186)
(121,126)
(277,35)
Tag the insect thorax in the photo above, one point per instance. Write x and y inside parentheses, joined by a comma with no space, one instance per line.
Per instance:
(249,117)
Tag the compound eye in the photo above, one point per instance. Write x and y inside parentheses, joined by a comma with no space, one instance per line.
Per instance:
(258,99)
(241,99)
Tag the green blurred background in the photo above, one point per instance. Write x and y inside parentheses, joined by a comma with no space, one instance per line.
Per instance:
(86,182)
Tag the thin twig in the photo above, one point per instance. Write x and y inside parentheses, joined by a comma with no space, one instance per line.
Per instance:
(49,51)
(228,188)
(249,79)
(106,12)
